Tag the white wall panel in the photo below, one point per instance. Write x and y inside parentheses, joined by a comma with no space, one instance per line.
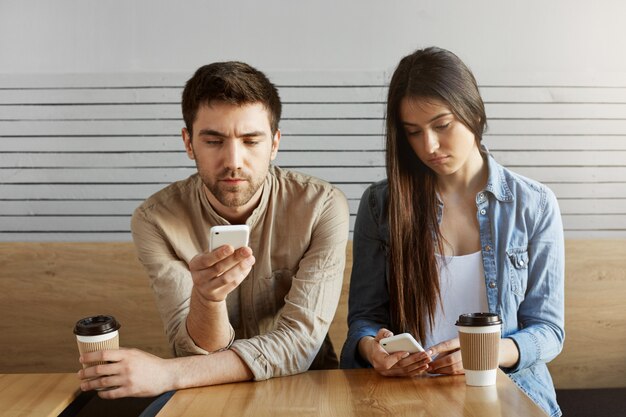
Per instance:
(74,168)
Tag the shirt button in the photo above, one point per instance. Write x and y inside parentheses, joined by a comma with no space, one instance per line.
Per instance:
(483,211)
(492,284)
(521,263)
(487,248)
(481,196)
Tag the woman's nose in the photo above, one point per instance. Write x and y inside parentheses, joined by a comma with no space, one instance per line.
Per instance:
(431,141)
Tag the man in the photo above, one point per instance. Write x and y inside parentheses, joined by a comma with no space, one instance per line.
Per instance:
(233,315)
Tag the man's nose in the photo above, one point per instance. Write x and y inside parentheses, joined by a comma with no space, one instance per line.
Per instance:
(233,155)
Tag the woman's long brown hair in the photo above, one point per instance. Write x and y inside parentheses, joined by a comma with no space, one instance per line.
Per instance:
(415,237)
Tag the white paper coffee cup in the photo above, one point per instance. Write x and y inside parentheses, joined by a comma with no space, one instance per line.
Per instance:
(479,334)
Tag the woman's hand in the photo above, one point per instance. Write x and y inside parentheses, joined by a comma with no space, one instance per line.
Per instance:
(447,356)
(392,364)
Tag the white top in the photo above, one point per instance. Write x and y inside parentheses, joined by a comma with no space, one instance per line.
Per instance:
(462,284)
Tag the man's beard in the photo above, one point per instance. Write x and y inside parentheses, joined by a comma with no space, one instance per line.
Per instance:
(235,195)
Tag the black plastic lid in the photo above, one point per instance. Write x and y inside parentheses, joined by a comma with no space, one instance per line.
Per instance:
(478,319)
(96,325)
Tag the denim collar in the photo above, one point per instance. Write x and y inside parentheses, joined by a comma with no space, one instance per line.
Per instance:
(496,183)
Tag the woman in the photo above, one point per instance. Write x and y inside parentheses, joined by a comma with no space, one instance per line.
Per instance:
(451,231)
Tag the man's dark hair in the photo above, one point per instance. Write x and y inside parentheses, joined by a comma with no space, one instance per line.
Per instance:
(230,82)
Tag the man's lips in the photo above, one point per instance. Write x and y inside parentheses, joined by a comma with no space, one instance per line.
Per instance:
(233,183)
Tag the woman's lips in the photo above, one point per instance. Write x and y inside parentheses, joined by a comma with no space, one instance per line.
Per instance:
(438,160)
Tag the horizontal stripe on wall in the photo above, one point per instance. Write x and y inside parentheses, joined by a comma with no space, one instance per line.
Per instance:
(304,110)
(547,159)
(323,127)
(316,94)
(173,143)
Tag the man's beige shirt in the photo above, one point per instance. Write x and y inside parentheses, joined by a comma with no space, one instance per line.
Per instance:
(282,311)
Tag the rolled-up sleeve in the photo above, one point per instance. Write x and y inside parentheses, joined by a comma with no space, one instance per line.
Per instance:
(302,324)
(170,281)
(369,296)
(541,314)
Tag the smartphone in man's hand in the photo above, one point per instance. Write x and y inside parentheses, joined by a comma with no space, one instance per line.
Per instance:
(236,236)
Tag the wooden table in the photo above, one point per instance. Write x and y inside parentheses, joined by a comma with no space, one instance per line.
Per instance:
(36,394)
(356,392)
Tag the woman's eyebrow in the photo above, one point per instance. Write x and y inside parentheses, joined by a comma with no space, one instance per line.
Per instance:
(430,121)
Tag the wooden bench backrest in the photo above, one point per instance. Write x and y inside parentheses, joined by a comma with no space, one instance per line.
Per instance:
(46,287)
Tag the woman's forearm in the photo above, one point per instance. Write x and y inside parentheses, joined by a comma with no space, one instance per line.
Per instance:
(509,354)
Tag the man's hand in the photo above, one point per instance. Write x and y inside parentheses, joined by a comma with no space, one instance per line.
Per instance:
(392,364)
(448,358)
(131,373)
(216,274)
(134,373)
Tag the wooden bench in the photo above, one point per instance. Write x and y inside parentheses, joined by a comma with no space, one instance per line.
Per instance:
(46,287)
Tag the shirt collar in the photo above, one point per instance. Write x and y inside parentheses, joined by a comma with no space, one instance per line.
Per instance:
(496,183)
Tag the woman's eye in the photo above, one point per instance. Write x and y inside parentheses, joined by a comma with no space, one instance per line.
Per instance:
(443,127)
(411,134)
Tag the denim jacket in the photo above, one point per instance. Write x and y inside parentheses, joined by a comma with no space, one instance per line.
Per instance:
(522,247)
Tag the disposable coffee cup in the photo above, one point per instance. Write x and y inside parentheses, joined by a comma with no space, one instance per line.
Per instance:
(97,333)
(479,334)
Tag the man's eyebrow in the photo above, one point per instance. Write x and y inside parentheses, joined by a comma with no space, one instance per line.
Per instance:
(430,121)
(211,132)
(253,134)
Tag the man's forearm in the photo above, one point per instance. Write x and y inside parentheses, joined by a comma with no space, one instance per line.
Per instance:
(202,370)
(207,323)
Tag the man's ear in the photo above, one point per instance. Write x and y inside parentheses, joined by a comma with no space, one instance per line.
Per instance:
(275,145)
(187,142)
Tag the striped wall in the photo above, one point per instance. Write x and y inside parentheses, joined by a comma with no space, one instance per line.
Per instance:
(79,153)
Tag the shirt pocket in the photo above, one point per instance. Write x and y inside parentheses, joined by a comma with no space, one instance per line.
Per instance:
(281,281)
(518,267)
(270,296)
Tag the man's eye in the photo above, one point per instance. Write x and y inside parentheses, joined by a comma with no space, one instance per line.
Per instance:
(251,142)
